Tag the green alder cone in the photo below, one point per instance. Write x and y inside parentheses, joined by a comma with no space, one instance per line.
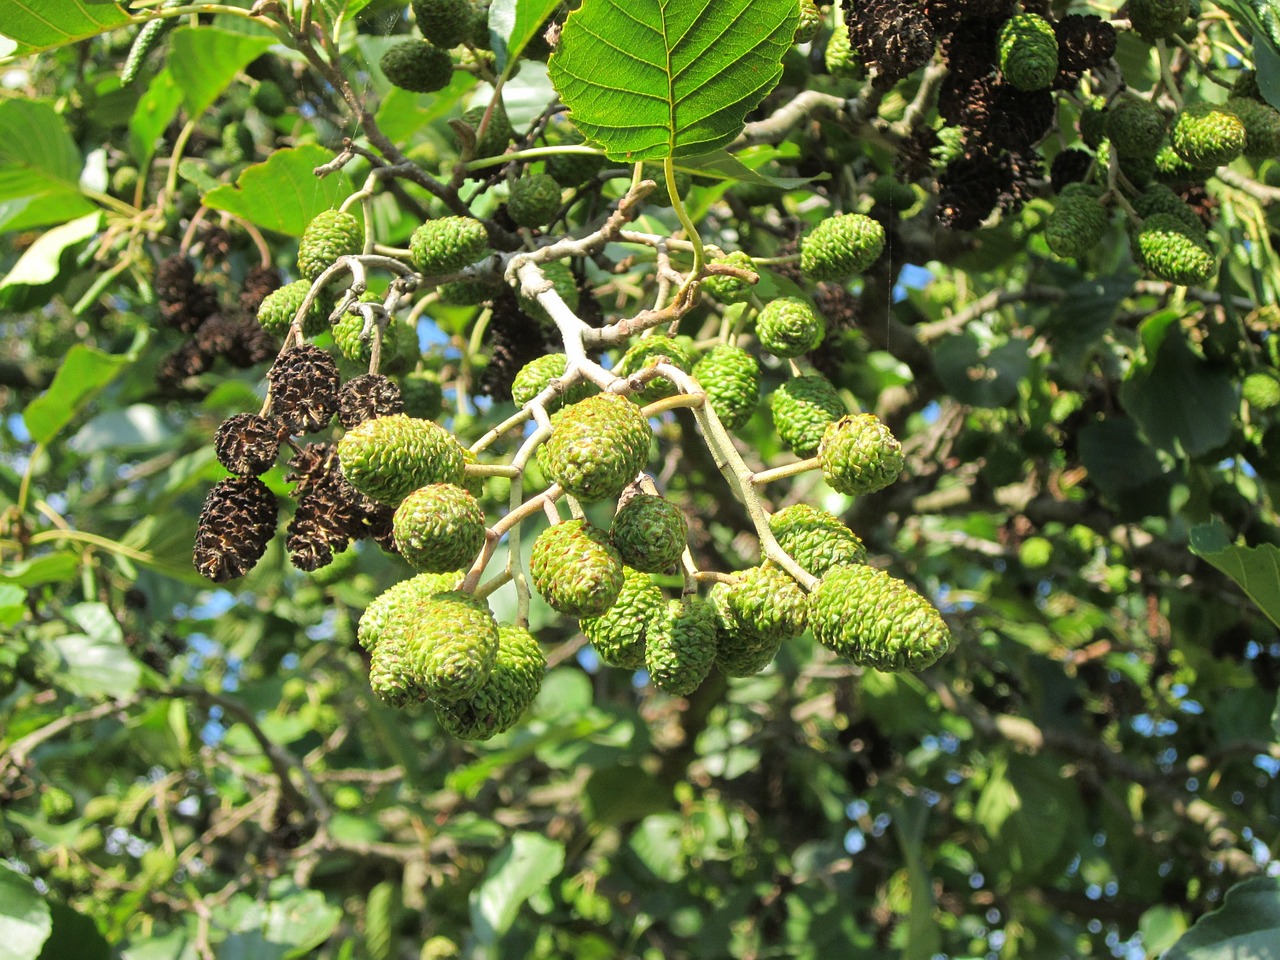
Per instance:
(575,569)
(280,306)
(393,609)
(438,528)
(1171,168)
(801,408)
(389,675)
(446,23)
(447,245)
(417,66)
(1261,390)
(1027,50)
(859,455)
(647,350)
(509,690)
(387,458)
(810,22)
(1207,135)
(422,395)
(875,620)
(536,375)
(650,533)
(680,647)
(1135,127)
(1158,19)
(497,135)
(1261,127)
(789,327)
(450,648)
(561,277)
(331,234)
(1174,252)
(730,377)
(468,291)
(1093,122)
(534,200)
(842,247)
(816,539)
(570,169)
(741,651)
(727,289)
(1158,198)
(767,602)
(840,59)
(399,341)
(597,446)
(269,98)
(1076,225)
(620,634)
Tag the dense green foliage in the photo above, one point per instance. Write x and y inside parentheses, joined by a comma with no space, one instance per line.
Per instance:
(1054,526)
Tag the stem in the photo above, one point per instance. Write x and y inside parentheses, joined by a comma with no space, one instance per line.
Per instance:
(669,169)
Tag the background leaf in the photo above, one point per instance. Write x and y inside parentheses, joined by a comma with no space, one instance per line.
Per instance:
(1247,927)
(85,371)
(39,167)
(513,23)
(204,60)
(24,916)
(283,194)
(655,78)
(523,868)
(40,263)
(1255,569)
(37,25)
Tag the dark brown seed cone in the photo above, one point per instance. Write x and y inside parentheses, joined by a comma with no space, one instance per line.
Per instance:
(514,340)
(378,526)
(304,388)
(319,481)
(1201,201)
(247,444)
(1019,118)
(252,344)
(216,243)
(258,282)
(320,528)
(236,524)
(968,190)
(175,276)
(1023,167)
(1084,41)
(217,335)
(893,36)
(1069,166)
(367,397)
(946,15)
(837,304)
(184,304)
(915,155)
(188,360)
(310,466)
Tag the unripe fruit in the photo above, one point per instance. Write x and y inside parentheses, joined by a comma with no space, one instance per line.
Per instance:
(597,446)
(731,379)
(816,539)
(575,569)
(1027,49)
(508,691)
(1207,135)
(450,648)
(438,528)
(422,395)
(647,350)
(802,407)
(726,288)
(447,245)
(840,59)
(331,234)
(1261,390)
(1135,127)
(417,66)
(789,327)
(534,200)
(387,458)
(650,533)
(497,134)
(842,247)
(1076,224)
(619,634)
(874,620)
(1261,126)
(859,455)
(279,307)
(536,375)
(680,647)
(1174,252)
(396,607)
(446,23)
(1158,19)
(810,22)
(1158,198)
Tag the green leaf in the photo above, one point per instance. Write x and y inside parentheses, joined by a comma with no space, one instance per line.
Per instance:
(513,23)
(523,868)
(1255,569)
(204,60)
(727,166)
(39,167)
(155,110)
(95,668)
(1245,927)
(36,25)
(51,568)
(924,937)
(657,842)
(1116,456)
(650,79)
(74,937)
(1160,927)
(84,372)
(13,604)
(41,261)
(623,793)
(24,916)
(283,194)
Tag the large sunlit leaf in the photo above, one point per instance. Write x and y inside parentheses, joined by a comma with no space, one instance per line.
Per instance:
(41,261)
(1255,569)
(283,194)
(35,25)
(523,868)
(84,372)
(647,79)
(1246,927)
(39,167)
(24,916)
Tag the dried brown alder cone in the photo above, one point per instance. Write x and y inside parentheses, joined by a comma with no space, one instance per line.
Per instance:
(303,383)
(236,524)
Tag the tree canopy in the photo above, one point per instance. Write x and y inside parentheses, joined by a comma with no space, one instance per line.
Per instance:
(656,479)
